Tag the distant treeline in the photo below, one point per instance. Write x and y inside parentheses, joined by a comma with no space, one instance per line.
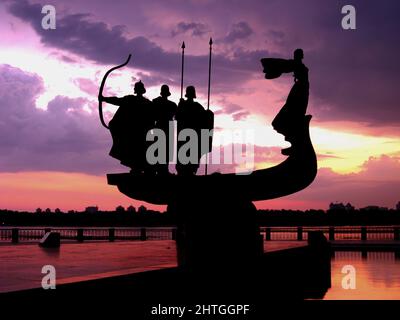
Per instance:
(95,219)
(155,218)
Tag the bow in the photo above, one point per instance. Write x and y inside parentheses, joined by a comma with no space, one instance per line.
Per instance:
(101,90)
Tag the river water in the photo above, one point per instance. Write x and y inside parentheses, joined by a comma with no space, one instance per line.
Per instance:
(377,276)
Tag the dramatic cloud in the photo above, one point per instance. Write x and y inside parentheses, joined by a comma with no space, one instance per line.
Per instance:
(236,111)
(353,73)
(192,28)
(61,138)
(79,34)
(155,80)
(240,31)
(353,77)
(87,85)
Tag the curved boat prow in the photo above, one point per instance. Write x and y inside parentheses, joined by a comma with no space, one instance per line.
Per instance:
(294,174)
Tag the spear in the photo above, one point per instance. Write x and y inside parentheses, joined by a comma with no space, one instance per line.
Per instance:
(209,89)
(183,58)
(209,74)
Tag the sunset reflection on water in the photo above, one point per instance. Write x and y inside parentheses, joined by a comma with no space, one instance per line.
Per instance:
(377,276)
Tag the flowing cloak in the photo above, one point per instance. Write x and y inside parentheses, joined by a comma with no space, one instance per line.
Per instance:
(128,128)
(274,67)
(294,110)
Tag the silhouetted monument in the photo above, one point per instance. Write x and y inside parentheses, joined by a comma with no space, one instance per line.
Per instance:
(217,234)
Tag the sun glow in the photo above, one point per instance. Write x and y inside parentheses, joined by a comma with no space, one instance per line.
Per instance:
(346,152)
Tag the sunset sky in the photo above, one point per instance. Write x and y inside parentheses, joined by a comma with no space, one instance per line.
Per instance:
(54,152)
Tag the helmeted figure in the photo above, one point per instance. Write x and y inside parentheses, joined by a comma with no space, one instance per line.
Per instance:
(191,115)
(164,113)
(129,126)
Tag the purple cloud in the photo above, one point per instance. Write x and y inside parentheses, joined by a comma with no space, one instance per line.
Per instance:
(353,73)
(236,111)
(61,138)
(87,85)
(239,31)
(155,80)
(78,34)
(195,29)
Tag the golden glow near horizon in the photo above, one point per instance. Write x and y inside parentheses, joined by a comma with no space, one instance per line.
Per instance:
(348,151)
(343,152)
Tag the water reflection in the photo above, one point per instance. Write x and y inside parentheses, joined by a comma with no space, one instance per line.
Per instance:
(377,276)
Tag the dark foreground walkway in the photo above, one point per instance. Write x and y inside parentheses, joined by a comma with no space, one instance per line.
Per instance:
(133,278)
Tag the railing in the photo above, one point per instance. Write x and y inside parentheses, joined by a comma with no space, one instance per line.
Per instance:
(15,235)
(381,256)
(389,233)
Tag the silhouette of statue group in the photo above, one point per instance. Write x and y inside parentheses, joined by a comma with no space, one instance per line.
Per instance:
(217,231)
(137,115)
